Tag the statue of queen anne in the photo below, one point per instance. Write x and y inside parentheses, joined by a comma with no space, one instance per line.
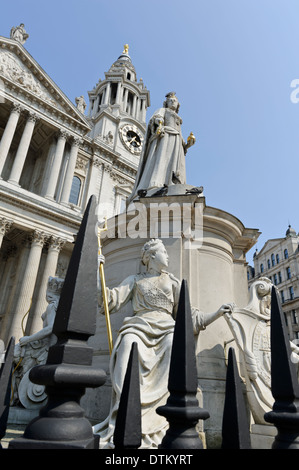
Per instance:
(162,160)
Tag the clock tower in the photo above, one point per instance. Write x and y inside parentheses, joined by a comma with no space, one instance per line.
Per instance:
(117,113)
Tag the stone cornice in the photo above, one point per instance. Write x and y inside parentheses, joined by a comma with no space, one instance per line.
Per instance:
(32,205)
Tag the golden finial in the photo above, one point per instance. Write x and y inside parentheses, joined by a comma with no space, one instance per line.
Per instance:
(126,49)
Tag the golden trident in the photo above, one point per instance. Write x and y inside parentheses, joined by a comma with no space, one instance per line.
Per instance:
(104,292)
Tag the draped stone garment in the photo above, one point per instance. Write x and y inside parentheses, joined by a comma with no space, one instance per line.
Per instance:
(152,327)
(163,153)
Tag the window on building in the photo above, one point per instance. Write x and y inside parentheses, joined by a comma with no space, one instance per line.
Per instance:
(273,260)
(277,258)
(122,207)
(100,100)
(75,190)
(262,268)
(128,76)
(286,254)
(296,334)
(294,317)
(279,277)
(291,291)
(282,296)
(285,318)
(275,279)
(129,103)
(269,264)
(113,92)
(288,270)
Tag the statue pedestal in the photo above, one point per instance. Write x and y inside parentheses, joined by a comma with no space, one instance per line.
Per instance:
(214,266)
(262,436)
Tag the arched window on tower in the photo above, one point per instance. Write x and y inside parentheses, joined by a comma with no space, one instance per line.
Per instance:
(129,103)
(113,93)
(75,190)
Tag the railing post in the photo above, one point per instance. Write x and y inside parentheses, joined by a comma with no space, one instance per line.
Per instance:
(284,382)
(182,410)
(127,433)
(235,425)
(61,424)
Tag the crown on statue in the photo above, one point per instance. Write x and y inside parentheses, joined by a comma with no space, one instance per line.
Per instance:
(55,285)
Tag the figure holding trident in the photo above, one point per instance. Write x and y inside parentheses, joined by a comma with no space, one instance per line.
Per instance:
(103,284)
(154,296)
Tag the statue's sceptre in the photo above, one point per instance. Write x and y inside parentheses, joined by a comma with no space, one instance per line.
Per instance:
(104,292)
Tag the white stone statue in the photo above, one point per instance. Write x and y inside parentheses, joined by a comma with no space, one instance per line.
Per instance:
(19,34)
(251,330)
(81,104)
(154,296)
(33,350)
(162,160)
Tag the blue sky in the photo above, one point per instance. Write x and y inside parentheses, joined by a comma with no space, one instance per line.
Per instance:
(231,64)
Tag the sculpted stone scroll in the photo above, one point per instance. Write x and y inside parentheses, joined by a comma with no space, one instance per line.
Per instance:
(33,350)
(154,298)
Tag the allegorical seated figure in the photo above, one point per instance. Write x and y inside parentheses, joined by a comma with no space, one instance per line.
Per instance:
(163,157)
(154,296)
(33,350)
(250,327)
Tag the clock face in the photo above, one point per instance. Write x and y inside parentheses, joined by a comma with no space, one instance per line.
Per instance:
(132,138)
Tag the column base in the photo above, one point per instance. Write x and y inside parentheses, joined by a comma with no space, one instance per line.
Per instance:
(14,183)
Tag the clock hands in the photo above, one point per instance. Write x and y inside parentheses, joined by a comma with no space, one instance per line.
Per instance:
(134,140)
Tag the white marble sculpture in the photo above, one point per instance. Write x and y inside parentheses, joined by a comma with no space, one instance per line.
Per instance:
(251,330)
(163,157)
(81,104)
(154,296)
(33,350)
(19,34)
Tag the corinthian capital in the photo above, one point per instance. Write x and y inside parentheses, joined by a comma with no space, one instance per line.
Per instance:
(16,108)
(56,243)
(76,141)
(38,237)
(32,117)
(5,225)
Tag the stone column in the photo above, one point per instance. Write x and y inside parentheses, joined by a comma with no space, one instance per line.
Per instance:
(118,93)
(8,134)
(142,112)
(134,106)
(55,169)
(8,290)
(95,178)
(68,180)
(125,99)
(28,283)
(54,248)
(5,226)
(107,94)
(21,155)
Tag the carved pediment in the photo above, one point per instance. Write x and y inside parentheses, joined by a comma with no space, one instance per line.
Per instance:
(19,68)
(11,67)
(270,244)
